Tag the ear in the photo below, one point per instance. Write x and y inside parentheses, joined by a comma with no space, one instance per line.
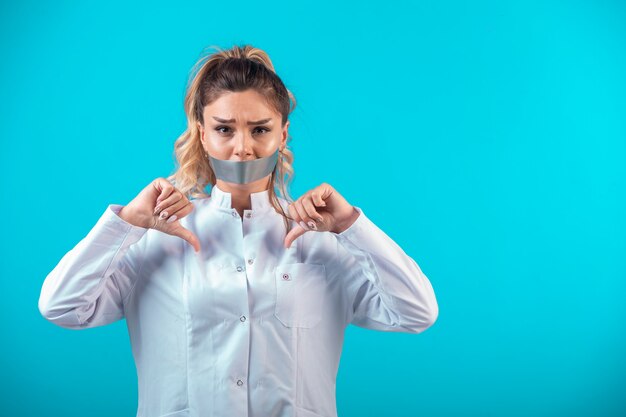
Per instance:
(285,133)
(201,131)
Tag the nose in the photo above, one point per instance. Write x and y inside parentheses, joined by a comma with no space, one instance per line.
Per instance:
(243,146)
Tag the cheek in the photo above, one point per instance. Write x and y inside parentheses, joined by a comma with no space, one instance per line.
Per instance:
(269,145)
(223,147)
(219,148)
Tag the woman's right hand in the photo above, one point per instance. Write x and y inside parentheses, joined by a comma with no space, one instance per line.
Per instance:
(172,204)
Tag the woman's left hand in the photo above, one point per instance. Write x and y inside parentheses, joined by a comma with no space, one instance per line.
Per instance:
(321,209)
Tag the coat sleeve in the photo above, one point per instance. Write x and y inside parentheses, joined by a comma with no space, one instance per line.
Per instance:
(386,289)
(89,285)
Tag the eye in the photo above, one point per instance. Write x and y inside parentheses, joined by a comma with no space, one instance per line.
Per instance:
(221,127)
(265,129)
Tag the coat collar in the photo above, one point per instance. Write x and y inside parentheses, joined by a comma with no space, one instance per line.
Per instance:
(221,199)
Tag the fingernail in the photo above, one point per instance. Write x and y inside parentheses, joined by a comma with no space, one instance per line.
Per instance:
(171,219)
(163,215)
(156,209)
(320,219)
(303,225)
(312,225)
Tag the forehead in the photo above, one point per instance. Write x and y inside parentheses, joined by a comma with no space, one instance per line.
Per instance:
(241,106)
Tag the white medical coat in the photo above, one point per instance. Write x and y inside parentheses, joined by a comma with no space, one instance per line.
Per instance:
(245,327)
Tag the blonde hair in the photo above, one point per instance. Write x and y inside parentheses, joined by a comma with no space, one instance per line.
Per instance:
(237,69)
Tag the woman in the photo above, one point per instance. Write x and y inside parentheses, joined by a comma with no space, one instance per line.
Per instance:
(232,307)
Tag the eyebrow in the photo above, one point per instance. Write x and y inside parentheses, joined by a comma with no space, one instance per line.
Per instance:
(258,122)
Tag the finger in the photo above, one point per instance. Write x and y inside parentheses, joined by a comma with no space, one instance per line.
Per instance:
(307,203)
(171,209)
(300,211)
(304,215)
(293,235)
(177,211)
(296,217)
(317,199)
(164,187)
(294,213)
(166,203)
(184,210)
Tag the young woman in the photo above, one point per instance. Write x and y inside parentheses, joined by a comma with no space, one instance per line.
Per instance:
(236,302)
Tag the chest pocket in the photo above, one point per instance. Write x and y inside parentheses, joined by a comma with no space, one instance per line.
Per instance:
(300,294)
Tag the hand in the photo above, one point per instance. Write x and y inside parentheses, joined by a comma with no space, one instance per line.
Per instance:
(171,205)
(321,209)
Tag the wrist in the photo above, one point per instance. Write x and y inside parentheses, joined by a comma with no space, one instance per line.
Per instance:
(344,225)
(129,217)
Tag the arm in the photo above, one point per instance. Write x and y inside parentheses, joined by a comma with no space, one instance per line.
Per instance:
(90,284)
(386,288)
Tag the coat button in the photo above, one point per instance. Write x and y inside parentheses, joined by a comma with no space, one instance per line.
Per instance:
(239,269)
(248,215)
(239,382)
(242,318)
(250,261)
(286,277)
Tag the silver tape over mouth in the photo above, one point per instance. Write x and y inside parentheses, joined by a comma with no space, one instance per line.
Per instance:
(243,172)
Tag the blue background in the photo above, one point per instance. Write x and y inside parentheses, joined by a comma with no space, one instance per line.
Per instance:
(488,139)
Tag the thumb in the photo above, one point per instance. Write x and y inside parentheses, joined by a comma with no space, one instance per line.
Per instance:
(293,235)
(189,236)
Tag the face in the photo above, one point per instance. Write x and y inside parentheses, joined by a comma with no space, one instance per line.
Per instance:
(240,126)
